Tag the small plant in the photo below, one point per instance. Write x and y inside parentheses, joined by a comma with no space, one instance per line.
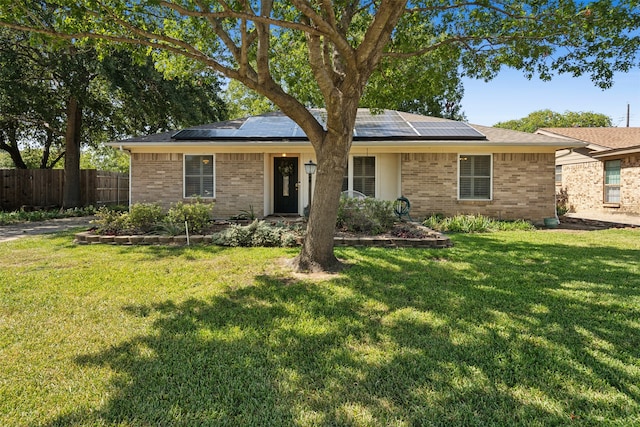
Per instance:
(474,224)
(170,228)
(562,201)
(197,215)
(258,233)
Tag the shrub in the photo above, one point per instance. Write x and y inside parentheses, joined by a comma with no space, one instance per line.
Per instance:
(258,233)
(369,215)
(144,217)
(109,221)
(562,201)
(197,215)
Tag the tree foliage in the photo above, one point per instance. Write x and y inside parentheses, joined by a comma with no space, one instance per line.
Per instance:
(345,43)
(551,119)
(118,94)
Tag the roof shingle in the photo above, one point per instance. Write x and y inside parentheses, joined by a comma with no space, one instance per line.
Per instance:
(604,137)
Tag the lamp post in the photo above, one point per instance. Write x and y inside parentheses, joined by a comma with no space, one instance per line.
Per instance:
(310,169)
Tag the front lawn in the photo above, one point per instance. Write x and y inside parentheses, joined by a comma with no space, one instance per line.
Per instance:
(510,328)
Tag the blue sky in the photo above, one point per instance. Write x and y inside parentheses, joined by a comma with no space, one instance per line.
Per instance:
(511,96)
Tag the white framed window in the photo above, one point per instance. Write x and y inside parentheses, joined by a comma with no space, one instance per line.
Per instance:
(558,174)
(475,177)
(612,181)
(361,175)
(199,175)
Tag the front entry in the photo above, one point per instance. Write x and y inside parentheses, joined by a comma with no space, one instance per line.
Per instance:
(285,181)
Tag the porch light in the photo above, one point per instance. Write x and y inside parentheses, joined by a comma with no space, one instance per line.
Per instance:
(310,169)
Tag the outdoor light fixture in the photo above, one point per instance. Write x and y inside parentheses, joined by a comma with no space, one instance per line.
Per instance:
(310,169)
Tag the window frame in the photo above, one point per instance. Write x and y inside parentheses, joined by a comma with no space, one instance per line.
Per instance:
(350,174)
(559,175)
(201,175)
(606,186)
(459,176)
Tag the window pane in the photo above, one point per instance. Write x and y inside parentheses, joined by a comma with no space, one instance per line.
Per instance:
(559,174)
(612,172)
(612,195)
(192,186)
(481,165)
(465,165)
(481,187)
(192,165)
(465,188)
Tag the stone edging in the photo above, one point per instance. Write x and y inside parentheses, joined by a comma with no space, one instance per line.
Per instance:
(436,241)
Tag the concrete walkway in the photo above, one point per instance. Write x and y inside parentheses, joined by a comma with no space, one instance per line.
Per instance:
(610,220)
(16,231)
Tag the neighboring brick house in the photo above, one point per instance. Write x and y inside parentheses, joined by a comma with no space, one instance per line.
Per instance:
(441,166)
(603,176)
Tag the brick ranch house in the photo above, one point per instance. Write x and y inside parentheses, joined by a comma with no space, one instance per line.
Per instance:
(441,166)
(603,176)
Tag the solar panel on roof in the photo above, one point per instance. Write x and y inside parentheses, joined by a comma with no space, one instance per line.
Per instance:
(270,126)
(203,134)
(446,129)
(386,125)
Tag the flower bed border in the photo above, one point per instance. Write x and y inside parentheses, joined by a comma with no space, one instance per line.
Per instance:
(434,240)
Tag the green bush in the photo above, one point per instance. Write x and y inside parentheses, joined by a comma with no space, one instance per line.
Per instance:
(368,215)
(110,221)
(258,233)
(473,224)
(197,215)
(144,217)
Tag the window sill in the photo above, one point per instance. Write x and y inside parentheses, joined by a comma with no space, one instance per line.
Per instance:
(611,205)
(474,201)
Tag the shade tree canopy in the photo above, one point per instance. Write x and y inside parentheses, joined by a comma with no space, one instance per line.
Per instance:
(551,119)
(346,42)
(57,96)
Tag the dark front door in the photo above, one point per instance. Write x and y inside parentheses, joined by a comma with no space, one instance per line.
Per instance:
(285,172)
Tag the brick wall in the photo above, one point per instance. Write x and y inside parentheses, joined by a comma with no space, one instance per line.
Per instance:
(523,186)
(158,178)
(239,184)
(584,183)
(630,175)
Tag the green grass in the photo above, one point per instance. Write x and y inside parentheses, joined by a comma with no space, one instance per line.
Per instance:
(511,328)
(15,217)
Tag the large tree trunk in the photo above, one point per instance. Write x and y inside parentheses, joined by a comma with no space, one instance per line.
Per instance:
(71,191)
(332,155)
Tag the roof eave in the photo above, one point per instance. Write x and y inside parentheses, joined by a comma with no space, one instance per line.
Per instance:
(357,142)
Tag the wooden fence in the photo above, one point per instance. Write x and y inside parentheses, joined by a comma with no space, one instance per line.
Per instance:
(43,188)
